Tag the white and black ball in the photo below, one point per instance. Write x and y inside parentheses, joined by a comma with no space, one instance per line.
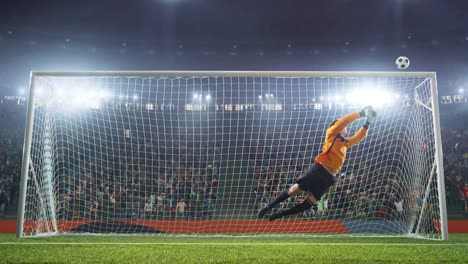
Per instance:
(402,62)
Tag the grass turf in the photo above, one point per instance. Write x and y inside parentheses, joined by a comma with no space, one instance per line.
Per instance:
(94,249)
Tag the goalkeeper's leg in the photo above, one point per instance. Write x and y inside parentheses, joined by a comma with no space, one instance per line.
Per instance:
(294,190)
(298,208)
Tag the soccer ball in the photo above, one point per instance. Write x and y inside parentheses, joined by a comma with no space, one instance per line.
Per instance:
(402,62)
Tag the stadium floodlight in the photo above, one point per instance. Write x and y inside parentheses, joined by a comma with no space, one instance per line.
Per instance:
(120,159)
(91,94)
(208,97)
(371,96)
(60,92)
(135,97)
(82,97)
(79,100)
(103,94)
(21,91)
(259,97)
(40,91)
(460,90)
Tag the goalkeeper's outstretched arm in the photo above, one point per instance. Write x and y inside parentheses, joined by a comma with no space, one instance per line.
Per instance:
(338,125)
(361,134)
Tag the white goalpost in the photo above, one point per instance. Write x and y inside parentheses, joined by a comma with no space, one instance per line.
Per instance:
(199,153)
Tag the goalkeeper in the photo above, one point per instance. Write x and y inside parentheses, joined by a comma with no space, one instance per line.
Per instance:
(321,175)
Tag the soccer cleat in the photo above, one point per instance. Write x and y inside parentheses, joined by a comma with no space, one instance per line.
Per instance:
(263,212)
(275,216)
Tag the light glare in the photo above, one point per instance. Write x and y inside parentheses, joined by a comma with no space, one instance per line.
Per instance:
(367,95)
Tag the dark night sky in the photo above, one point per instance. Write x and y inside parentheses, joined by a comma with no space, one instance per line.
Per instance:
(232,35)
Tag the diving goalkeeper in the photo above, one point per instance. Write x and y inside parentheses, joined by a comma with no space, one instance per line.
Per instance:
(321,175)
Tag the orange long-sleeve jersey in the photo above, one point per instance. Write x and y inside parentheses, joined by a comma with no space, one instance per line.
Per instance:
(334,149)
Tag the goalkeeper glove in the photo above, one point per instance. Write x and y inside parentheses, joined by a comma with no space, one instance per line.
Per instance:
(371,115)
(364,112)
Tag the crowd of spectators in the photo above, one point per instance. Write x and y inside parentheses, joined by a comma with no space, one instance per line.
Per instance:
(161,176)
(455,147)
(361,190)
(11,142)
(179,193)
(354,195)
(175,173)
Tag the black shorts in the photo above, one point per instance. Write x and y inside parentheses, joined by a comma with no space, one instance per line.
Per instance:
(316,180)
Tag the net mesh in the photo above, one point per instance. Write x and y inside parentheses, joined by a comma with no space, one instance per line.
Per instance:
(201,155)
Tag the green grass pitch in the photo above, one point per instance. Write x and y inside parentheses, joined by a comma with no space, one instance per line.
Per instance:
(124,249)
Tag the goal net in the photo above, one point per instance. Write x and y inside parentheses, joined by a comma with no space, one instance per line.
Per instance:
(199,153)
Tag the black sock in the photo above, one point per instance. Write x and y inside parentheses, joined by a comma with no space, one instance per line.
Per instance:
(281,197)
(298,208)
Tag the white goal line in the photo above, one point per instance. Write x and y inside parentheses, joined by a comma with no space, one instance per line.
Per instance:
(234,244)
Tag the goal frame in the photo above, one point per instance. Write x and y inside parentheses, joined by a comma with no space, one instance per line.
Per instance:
(431,76)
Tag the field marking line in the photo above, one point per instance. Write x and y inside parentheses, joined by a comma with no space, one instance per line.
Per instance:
(231,244)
